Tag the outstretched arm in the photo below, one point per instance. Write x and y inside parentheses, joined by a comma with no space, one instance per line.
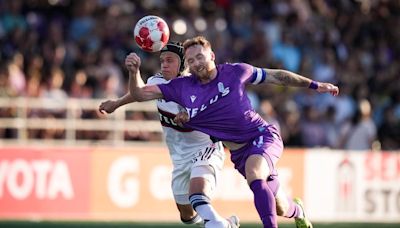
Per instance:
(138,91)
(287,78)
(109,106)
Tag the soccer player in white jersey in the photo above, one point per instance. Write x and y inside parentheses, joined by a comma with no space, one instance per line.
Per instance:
(216,103)
(197,160)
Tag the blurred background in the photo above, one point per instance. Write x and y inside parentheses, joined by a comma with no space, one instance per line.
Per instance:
(60,58)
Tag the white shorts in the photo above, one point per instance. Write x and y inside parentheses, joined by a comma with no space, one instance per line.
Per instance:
(212,156)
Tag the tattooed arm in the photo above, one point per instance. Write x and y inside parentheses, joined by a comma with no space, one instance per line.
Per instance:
(287,78)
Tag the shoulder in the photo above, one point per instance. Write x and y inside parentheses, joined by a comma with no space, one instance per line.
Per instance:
(183,79)
(177,83)
(156,79)
(236,67)
(238,70)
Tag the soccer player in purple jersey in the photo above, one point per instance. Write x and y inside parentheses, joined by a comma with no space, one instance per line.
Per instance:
(216,104)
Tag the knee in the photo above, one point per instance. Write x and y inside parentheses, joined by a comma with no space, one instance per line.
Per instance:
(202,180)
(256,168)
(252,175)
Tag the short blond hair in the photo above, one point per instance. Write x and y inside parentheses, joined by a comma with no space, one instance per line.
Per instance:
(198,40)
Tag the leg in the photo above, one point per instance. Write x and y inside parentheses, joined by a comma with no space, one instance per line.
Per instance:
(273,197)
(257,171)
(292,208)
(285,206)
(188,215)
(180,189)
(202,185)
(203,179)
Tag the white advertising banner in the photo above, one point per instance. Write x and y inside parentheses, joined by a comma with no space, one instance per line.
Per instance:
(352,186)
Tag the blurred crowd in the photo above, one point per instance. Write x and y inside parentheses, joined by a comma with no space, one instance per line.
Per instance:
(62,48)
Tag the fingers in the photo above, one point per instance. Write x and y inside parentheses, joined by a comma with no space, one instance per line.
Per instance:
(181,118)
(106,107)
(178,122)
(133,60)
(102,109)
(328,88)
(335,90)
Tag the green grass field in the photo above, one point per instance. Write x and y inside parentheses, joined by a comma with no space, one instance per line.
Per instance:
(51,224)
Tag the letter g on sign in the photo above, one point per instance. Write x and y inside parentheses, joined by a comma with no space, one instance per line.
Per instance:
(123,187)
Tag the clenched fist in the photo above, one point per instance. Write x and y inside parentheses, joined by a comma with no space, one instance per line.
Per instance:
(132,62)
(181,118)
(108,106)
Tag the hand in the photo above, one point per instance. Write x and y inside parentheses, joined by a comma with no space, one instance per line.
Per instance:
(328,88)
(108,106)
(181,118)
(132,62)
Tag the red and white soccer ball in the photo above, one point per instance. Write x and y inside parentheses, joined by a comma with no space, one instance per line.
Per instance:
(151,33)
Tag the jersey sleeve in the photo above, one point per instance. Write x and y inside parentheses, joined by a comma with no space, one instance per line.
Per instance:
(253,75)
(171,90)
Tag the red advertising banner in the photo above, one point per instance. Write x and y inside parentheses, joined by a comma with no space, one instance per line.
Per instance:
(116,184)
(44,183)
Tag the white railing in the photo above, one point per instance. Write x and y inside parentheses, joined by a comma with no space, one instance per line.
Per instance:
(115,124)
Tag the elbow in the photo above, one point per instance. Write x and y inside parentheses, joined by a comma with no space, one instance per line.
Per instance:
(137,96)
(140,99)
(131,98)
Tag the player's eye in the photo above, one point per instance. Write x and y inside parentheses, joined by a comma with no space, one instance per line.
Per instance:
(199,56)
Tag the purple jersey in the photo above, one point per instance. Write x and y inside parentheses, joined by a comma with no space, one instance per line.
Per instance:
(221,107)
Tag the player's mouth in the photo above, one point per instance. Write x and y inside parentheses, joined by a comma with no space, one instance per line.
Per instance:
(200,69)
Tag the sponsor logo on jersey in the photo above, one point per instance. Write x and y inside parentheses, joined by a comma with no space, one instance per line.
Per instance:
(223,91)
(193,98)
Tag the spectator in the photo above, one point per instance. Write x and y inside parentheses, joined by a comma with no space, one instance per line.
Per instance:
(87,41)
(360,132)
(312,130)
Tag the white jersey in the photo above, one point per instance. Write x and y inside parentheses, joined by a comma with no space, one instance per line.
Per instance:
(182,143)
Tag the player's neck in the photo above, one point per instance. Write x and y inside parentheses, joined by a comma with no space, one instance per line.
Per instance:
(211,75)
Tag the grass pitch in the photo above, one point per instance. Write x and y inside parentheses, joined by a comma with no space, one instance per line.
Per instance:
(73,224)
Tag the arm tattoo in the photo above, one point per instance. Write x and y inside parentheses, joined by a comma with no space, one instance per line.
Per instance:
(287,78)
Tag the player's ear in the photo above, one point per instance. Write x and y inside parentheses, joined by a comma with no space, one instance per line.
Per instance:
(212,56)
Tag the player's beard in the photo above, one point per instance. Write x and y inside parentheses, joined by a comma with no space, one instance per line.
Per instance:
(203,74)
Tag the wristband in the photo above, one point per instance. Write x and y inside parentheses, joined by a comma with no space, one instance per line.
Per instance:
(313,85)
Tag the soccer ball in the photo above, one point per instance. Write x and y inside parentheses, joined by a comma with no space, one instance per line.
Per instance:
(151,33)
